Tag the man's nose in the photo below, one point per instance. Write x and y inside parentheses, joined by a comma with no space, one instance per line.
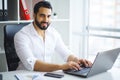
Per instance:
(45,19)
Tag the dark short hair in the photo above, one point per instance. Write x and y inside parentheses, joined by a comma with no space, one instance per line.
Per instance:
(40,4)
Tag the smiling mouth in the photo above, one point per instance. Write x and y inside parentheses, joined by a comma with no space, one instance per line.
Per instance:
(44,24)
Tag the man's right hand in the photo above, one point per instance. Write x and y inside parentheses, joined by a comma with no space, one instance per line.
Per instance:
(71,65)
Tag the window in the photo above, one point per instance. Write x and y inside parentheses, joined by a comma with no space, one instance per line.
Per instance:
(103,26)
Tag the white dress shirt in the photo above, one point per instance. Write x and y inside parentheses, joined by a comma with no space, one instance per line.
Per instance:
(31,47)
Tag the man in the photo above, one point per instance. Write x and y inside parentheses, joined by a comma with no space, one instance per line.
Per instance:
(36,42)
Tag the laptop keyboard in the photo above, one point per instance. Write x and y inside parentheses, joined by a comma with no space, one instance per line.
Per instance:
(84,70)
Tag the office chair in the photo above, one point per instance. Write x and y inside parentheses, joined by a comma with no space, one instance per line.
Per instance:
(11,56)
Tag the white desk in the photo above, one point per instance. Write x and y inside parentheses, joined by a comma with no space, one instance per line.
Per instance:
(113,74)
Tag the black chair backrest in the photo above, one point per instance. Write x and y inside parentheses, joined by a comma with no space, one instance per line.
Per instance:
(11,56)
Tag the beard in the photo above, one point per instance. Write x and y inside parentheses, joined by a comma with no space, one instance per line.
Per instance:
(40,26)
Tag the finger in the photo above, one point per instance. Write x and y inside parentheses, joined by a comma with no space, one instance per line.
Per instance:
(80,62)
(84,62)
(89,64)
(76,65)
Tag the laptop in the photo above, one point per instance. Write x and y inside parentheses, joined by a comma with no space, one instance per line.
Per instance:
(103,62)
(0,76)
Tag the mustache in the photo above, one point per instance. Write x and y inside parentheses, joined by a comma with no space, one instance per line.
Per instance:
(44,22)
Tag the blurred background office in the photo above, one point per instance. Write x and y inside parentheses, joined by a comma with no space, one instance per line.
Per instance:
(86,26)
(93,26)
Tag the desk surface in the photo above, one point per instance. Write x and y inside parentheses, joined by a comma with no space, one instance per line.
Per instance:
(113,74)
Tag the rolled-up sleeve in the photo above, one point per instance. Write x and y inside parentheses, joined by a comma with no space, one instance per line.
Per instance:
(24,51)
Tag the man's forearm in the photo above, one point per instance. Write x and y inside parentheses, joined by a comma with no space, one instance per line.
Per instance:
(46,67)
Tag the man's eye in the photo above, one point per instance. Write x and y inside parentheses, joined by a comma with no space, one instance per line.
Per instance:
(49,16)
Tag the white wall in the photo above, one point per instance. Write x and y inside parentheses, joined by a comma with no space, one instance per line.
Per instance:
(78,19)
(76,30)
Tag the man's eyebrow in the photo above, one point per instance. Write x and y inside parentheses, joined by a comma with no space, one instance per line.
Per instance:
(44,14)
(41,14)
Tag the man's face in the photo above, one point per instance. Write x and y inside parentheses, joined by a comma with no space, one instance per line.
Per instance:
(43,18)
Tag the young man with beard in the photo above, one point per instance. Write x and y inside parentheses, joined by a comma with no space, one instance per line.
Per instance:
(36,42)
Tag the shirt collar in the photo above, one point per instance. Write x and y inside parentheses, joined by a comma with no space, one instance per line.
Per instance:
(32,29)
(34,32)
